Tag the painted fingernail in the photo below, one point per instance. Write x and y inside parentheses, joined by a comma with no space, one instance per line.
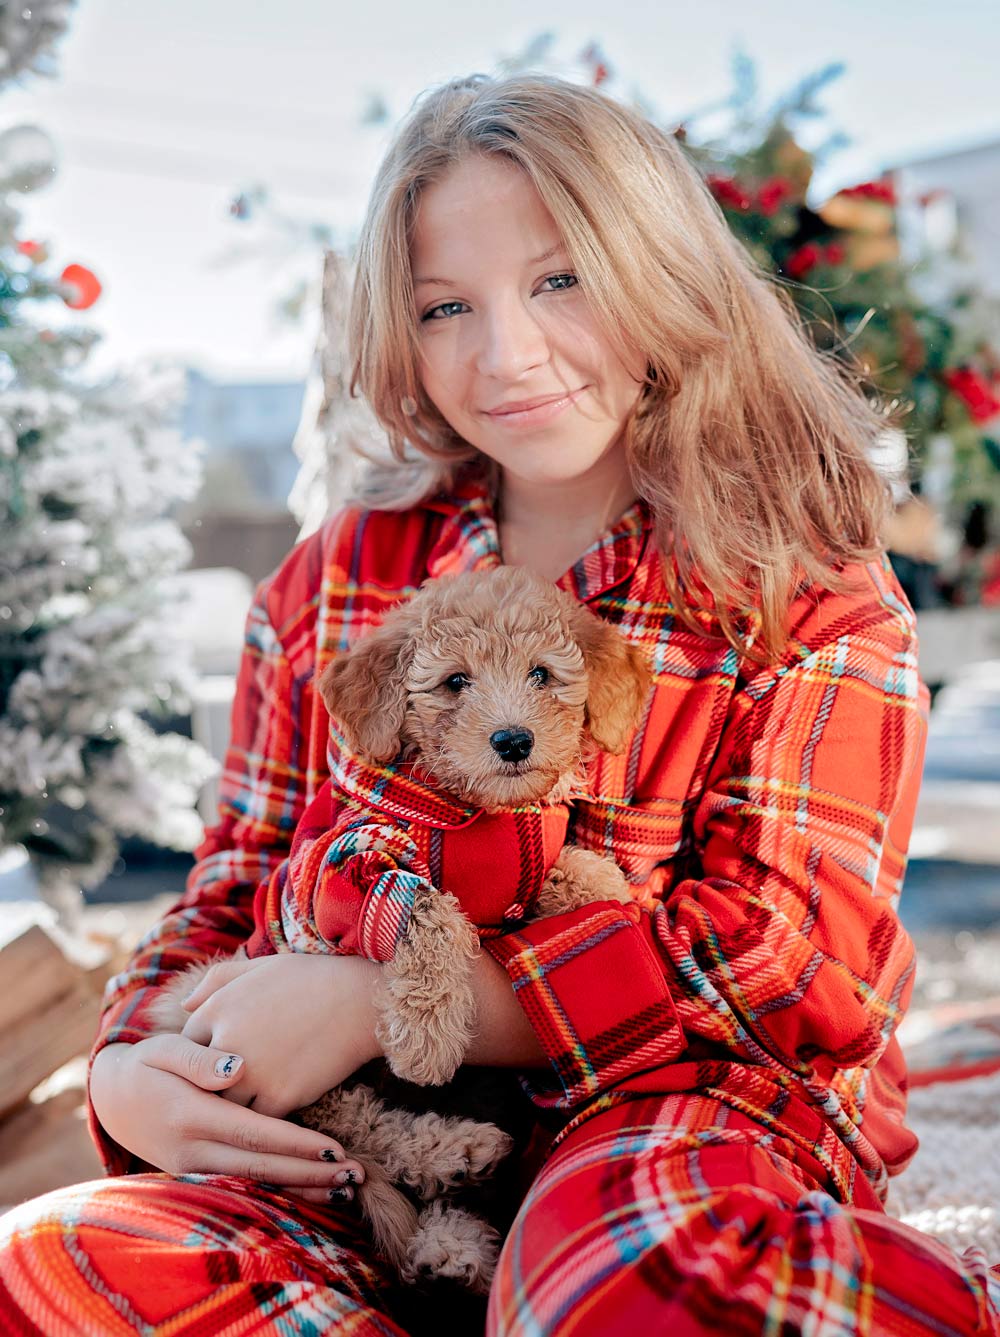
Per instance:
(346,1177)
(328,1154)
(227,1065)
(341,1194)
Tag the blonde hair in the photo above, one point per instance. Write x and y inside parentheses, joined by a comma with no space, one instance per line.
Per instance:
(749,444)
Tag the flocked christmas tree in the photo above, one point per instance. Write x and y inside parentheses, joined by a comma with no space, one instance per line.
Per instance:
(88,475)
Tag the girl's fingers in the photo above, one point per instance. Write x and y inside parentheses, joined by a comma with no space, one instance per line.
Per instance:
(211,1069)
(260,1135)
(222,1121)
(337,1196)
(222,1158)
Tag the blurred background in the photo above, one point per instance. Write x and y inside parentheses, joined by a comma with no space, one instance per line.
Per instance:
(181,189)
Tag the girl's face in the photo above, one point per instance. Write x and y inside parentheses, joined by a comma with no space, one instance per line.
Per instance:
(512,355)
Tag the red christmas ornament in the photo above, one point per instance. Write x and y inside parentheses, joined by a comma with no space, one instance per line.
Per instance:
(975,392)
(772,194)
(86,283)
(799,263)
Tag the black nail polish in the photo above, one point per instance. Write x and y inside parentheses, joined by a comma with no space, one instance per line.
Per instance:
(352,1177)
(328,1154)
(340,1195)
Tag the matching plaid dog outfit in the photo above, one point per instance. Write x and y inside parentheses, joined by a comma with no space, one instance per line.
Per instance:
(725,1097)
(374,834)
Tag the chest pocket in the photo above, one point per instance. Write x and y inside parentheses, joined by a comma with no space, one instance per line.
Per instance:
(643,799)
(639,837)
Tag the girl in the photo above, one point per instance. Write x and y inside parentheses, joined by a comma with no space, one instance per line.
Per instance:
(580,371)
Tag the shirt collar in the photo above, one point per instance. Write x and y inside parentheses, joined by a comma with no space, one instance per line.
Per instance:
(396,788)
(469,540)
(401,789)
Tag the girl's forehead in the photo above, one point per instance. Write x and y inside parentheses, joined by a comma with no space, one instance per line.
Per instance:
(481,208)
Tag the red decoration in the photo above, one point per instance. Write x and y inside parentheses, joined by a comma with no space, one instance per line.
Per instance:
(807,257)
(975,392)
(34,250)
(772,194)
(873,190)
(799,263)
(86,283)
(599,70)
(729,193)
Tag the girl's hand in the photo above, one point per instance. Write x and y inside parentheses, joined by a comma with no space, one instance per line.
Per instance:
(302,1022)
(157,1098)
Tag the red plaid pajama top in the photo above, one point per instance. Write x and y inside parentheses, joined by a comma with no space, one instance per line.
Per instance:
(764,813)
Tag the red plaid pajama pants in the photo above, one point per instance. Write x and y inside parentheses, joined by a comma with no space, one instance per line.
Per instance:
(663,1214)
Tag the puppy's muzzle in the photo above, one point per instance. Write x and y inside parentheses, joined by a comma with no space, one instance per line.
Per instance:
(512,744)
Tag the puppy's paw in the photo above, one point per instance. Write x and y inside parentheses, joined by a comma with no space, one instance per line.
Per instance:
(425,1027)
(459,1152)
(581,877)
(450,1242)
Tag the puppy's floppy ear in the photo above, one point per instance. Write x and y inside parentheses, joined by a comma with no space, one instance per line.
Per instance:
(365,690)
(619,680)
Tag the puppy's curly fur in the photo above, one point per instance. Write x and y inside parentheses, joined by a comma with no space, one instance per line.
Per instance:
(444,675)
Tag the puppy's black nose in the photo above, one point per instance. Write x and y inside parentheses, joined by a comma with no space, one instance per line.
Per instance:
(512,744)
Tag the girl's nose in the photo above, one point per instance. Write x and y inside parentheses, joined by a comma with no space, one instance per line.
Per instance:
(511,342)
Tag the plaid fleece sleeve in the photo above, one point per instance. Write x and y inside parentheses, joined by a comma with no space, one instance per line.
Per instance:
(262,794)
(786,948)
(348,885)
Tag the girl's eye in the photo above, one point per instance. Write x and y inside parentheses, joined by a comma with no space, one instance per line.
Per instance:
(447,309)
(432,313)
(539,674)
(561,280)
(455,682)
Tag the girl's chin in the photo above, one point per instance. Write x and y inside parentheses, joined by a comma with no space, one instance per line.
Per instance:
(547,466)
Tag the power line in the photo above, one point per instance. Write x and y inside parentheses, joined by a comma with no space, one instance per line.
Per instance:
(277,120)
(160,162)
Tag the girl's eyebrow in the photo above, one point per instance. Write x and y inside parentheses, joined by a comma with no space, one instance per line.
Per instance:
(537,260)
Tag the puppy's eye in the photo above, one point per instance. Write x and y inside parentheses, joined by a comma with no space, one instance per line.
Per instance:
(538,674)
(455,682)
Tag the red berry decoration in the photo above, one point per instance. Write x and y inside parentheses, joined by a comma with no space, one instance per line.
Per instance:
(34,250)
(801,261)
(772,194)
(975,391)
(729,193)
(86,283)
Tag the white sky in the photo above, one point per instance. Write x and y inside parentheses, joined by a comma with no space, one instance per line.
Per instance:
(164,109)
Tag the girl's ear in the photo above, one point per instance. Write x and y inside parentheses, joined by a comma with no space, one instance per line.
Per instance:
(618,680)
(365,690)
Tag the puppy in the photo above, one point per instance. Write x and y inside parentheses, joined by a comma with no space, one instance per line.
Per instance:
(461,728)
